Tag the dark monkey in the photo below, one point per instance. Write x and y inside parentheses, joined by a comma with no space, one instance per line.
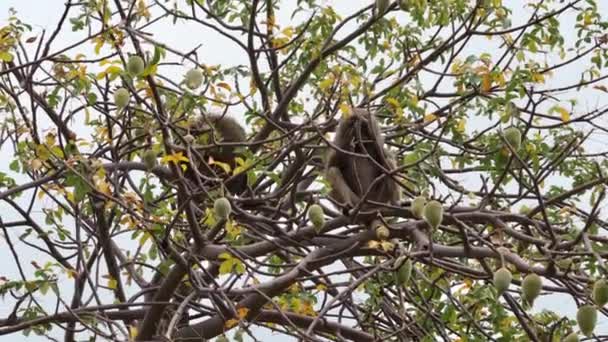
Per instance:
(358,159)
(217,129)
(205,129)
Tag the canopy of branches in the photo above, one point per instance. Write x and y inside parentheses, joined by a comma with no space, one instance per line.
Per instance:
(122,219)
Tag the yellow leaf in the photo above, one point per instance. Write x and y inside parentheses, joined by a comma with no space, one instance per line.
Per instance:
(486,83)
(103,187)
(224,85)
(461,125)
(322,287)
(373,244)
(500,79)
(113,70)
(133,332)
(225,166)
(326,84)
(387,246)
(345,109)
(50,140)
(242,312)
(429,118)
(112,283)
(175,158)
(288,31)
(564,114)
(230,323)
(395,106)
(538,77)
(71,273)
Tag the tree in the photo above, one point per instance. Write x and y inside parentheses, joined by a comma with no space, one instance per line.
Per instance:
(493,109)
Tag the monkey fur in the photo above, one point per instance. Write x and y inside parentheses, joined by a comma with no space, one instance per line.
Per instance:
(216,128)
(351,176)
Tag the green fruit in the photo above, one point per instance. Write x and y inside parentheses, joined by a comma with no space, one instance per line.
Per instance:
(382,233)
(121,97)
(531,287)
(433,214)
(189,138)
(586,318)
(417,206)
(316,216)
(513,137)
(135,65)
(405,272)
(572,337)
(149,159)
(502,280)
(600,293)
(222,208)
(381,7)
(194,78)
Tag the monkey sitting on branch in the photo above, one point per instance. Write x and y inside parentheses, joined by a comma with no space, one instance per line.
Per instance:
(206,163)
(357,164)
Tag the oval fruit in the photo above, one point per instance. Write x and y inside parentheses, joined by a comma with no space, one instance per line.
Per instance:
(513,137)
(194,78)
(404,273)
(502,280)
(316,216)
(433,214)
(531,287)
(600,292)
(572,337)
(121,97)
(586,318)
(382,233)
(222,208)
(135,65)
(417,206)
(189,138)
(149,159)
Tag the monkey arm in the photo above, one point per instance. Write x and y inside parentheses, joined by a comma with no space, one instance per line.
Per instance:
(341,191)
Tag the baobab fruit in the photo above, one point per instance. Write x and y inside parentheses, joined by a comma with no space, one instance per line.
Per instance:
(417,206)
(382,233)
(149,159)
(381,7)
(513,137)
(189,138)
(121,97)
(194,79)
(222,208)
(572,337)
(600,293)
(404,272)
(316,216)
(502,280)
(586,318)
(530,287)
(433,214)
(135,65)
